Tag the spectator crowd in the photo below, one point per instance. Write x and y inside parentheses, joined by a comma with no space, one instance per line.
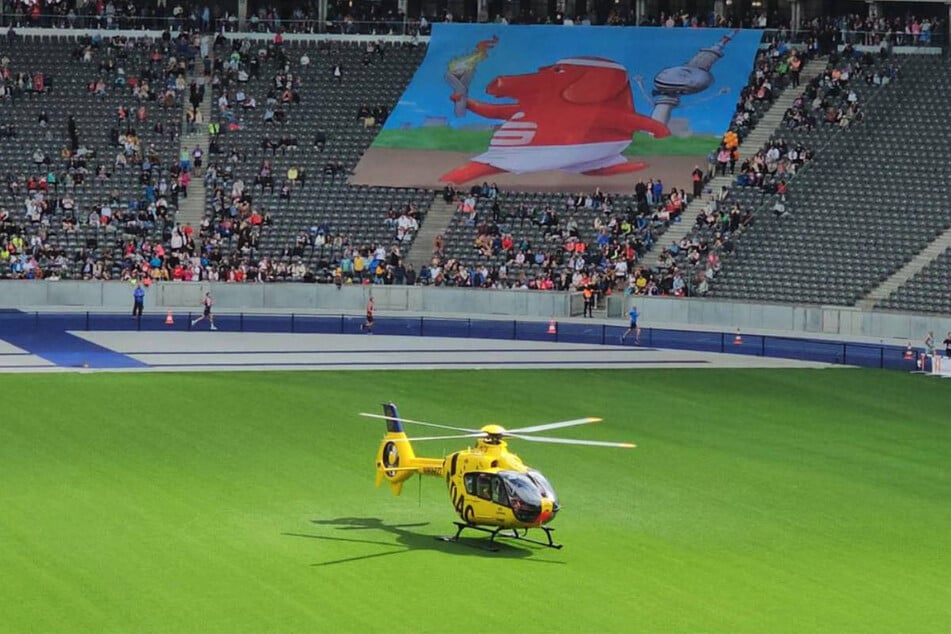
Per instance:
(126,198)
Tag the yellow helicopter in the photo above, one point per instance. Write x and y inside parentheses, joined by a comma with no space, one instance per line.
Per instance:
(491,489)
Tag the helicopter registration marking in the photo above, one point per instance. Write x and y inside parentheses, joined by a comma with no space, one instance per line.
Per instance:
(433,471)
(458,500)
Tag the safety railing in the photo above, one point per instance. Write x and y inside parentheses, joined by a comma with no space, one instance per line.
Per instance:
(190,23)
(401,26)
(929,38)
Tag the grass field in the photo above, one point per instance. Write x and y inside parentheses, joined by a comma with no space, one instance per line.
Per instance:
(477,141)
(757,501)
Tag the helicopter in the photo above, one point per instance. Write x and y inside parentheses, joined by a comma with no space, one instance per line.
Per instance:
(490,488)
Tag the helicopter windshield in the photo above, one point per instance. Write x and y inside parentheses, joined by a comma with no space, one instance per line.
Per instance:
(526,492)
(522,487)
(547,491)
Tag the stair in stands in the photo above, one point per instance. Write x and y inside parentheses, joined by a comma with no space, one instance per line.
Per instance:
(750,145)
(437,222)
(905,273)
(191,210)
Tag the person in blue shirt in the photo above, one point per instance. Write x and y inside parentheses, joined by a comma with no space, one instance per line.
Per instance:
(633,327)
(138,300)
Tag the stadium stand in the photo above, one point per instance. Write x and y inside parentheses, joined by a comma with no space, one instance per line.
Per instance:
(318,129)
(842,227)
(72,207)
(546,241)
(862,208)
(925,292)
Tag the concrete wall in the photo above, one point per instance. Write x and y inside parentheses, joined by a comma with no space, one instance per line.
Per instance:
(286,297)
(655,311)
(775,318)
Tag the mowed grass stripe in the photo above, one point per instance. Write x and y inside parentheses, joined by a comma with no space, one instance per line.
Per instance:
(776,500)
(158,482)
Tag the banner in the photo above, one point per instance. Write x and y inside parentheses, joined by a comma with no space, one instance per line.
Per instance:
(556,107)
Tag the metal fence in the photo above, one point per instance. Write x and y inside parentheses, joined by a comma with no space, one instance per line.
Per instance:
(39,328)
(190,23)
(399,26)
(859,38)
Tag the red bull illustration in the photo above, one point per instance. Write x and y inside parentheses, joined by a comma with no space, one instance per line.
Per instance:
(576,115)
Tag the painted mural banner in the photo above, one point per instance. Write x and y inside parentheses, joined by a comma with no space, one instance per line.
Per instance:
(555,107)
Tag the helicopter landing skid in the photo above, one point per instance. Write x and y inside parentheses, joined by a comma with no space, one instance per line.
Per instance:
(524,537)
(502,532)
(491,547)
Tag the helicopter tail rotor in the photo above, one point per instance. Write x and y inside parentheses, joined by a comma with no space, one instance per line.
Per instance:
(395,455)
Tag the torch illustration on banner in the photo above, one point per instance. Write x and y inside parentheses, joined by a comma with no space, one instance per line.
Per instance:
(462,69)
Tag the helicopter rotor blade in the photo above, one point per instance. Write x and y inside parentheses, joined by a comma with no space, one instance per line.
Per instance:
(547,426)
(418,422)
(452,436)
(574,441)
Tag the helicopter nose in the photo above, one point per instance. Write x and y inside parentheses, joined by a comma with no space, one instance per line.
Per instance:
(546,513)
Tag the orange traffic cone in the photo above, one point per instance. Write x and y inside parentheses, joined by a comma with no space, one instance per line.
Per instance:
(909,354)
(168,319)
(552,327)
(737,340)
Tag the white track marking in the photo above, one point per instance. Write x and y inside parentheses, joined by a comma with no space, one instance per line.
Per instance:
(218,351)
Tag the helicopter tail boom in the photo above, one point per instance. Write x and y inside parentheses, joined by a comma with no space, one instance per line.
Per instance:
(396,462)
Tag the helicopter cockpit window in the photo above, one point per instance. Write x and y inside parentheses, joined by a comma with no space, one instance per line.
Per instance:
(484,486)
(499,495)
(480,484)
(544,485)
(470,482)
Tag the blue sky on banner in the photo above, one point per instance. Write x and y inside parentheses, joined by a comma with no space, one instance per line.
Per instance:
(644,51)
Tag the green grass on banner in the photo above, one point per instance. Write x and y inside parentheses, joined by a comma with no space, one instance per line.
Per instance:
(757,501)
(476,141)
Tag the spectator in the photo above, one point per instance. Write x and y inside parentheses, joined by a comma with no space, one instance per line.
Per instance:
(697,176)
